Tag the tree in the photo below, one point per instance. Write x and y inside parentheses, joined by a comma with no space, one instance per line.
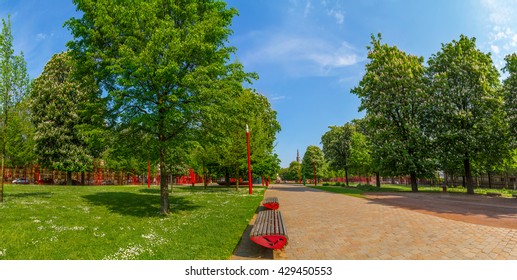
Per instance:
(20,136)
(58,101)
(164,63)
(292,173)
(392,92)
(465,114)
(360,160)
(337,147)
(14,83)
(510,96)
(313,163)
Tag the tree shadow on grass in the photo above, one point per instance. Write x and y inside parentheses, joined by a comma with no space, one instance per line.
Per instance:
(31,194)
(137,204)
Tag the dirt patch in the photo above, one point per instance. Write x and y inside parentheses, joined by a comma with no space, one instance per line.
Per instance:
(476,209)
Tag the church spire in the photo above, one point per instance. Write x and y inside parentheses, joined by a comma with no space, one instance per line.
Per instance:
(297,156)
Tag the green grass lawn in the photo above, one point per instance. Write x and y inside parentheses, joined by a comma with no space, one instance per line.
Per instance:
(359,190)
(122,222)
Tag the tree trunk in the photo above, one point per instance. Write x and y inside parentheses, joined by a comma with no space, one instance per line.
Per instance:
(468,175)
(414,184)
(82,178)
(346,176)
(378,180)
(227,177)
(68,178)
(2,181)
(164,187)
(205,177)
(237,178)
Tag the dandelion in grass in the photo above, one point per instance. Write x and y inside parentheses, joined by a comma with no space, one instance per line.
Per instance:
(129,253)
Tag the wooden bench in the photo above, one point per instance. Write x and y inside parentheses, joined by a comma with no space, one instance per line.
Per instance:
(269,230)
(271,203)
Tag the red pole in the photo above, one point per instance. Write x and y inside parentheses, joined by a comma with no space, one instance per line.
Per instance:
(250,179)
(148,174)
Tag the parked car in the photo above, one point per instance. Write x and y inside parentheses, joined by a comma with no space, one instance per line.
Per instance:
(20,181)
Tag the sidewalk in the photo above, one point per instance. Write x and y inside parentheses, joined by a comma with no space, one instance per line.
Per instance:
(324,225)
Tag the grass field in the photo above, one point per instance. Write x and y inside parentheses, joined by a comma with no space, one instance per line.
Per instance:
(122,222)
(359,190)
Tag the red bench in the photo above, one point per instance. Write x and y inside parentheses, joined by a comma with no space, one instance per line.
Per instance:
(269,230)
(271,203)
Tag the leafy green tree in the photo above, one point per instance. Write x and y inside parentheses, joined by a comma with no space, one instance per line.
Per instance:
(392,92)
(164,63)
(337,147)
(313,163)
(225,136)
(510,96)
(58,100)
(292,173)
(360,154)
(267,167)
(20,137)
(14,83)
(465,114)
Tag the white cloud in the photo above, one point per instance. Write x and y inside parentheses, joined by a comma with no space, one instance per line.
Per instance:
(501,22)
(306,55)
(495,49)
(41,36)
(338,15)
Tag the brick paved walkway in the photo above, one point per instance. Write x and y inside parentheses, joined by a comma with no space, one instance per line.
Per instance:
(324,225)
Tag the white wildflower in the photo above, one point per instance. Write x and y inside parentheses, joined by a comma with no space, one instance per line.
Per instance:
(3,252)
(129,253)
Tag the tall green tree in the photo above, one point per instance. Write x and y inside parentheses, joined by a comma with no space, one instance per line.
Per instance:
(20,137)
(14,84)
(166,64)
(293,172)
(465,114)
(313,163)
(510,96)
(392,91)
(360,155)
(337,147)
(58,101)
(227,135)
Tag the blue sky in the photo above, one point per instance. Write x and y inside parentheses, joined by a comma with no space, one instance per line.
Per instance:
(308,54)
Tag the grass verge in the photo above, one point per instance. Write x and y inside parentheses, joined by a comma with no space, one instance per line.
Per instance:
(122,222)
(359,190)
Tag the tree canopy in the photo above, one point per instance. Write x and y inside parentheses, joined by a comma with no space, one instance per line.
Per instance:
(14,84)
(59,99)
(392,92)
(464,116)
(165,64)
